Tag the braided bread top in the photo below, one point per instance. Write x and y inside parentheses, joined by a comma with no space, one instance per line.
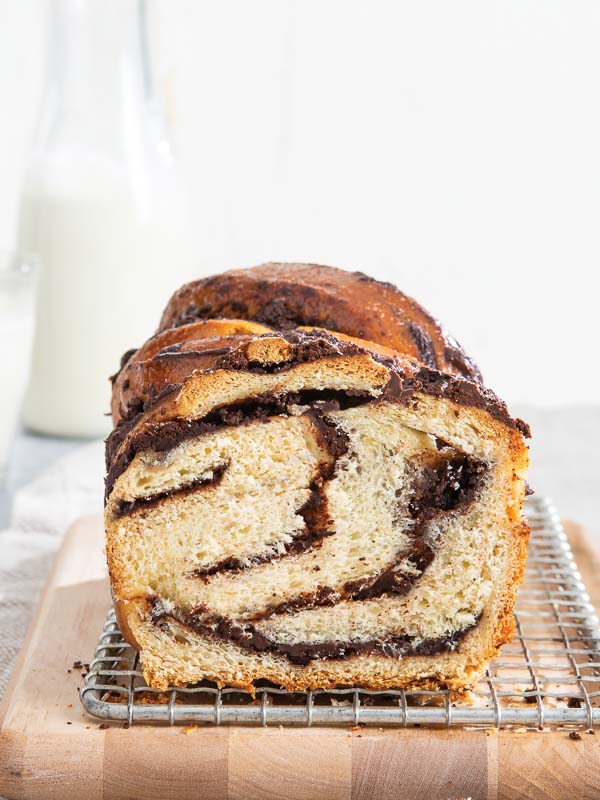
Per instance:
(287,296)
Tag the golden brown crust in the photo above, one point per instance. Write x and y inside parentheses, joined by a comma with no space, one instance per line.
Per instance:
(286,296)
(172,355)
(122,609)
(159,361)
(505,625)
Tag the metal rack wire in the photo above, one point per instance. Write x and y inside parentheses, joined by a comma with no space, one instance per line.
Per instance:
(549,675)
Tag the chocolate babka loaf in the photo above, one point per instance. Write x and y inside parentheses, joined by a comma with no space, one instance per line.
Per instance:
(308,483)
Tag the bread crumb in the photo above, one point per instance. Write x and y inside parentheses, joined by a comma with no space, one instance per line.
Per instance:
(189,729)
(337,703)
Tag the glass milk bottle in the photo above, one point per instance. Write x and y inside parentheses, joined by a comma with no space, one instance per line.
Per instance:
(103,207)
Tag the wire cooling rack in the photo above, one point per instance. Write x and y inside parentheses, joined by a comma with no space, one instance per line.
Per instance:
(548,675)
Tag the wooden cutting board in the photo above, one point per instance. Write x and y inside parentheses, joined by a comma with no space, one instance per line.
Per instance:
(50,749)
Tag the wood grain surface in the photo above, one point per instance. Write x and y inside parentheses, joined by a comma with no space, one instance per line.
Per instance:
(50,749)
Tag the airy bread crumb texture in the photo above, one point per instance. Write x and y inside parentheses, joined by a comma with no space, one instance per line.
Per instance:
(173,547)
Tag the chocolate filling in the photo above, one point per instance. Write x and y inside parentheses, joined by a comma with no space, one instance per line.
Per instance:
(445,484)
(174,353)
(317,521)
(391,580)
(164,436)
(424,344)
(302,653)
(125,507)
(442,483)
(306,348)
(302,541)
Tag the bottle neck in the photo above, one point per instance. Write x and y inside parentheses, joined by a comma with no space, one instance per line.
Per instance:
(99,92)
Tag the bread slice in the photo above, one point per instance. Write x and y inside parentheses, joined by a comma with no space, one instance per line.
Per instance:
(304,509)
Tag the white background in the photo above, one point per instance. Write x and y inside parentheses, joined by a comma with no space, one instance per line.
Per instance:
(452,147)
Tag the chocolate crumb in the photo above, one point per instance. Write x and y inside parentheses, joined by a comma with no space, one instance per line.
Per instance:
(103,726)
(69,723)
(575,736)
(125,724)
(574,702)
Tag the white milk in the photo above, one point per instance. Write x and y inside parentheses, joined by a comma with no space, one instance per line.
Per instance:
(16,333)
(113,245)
